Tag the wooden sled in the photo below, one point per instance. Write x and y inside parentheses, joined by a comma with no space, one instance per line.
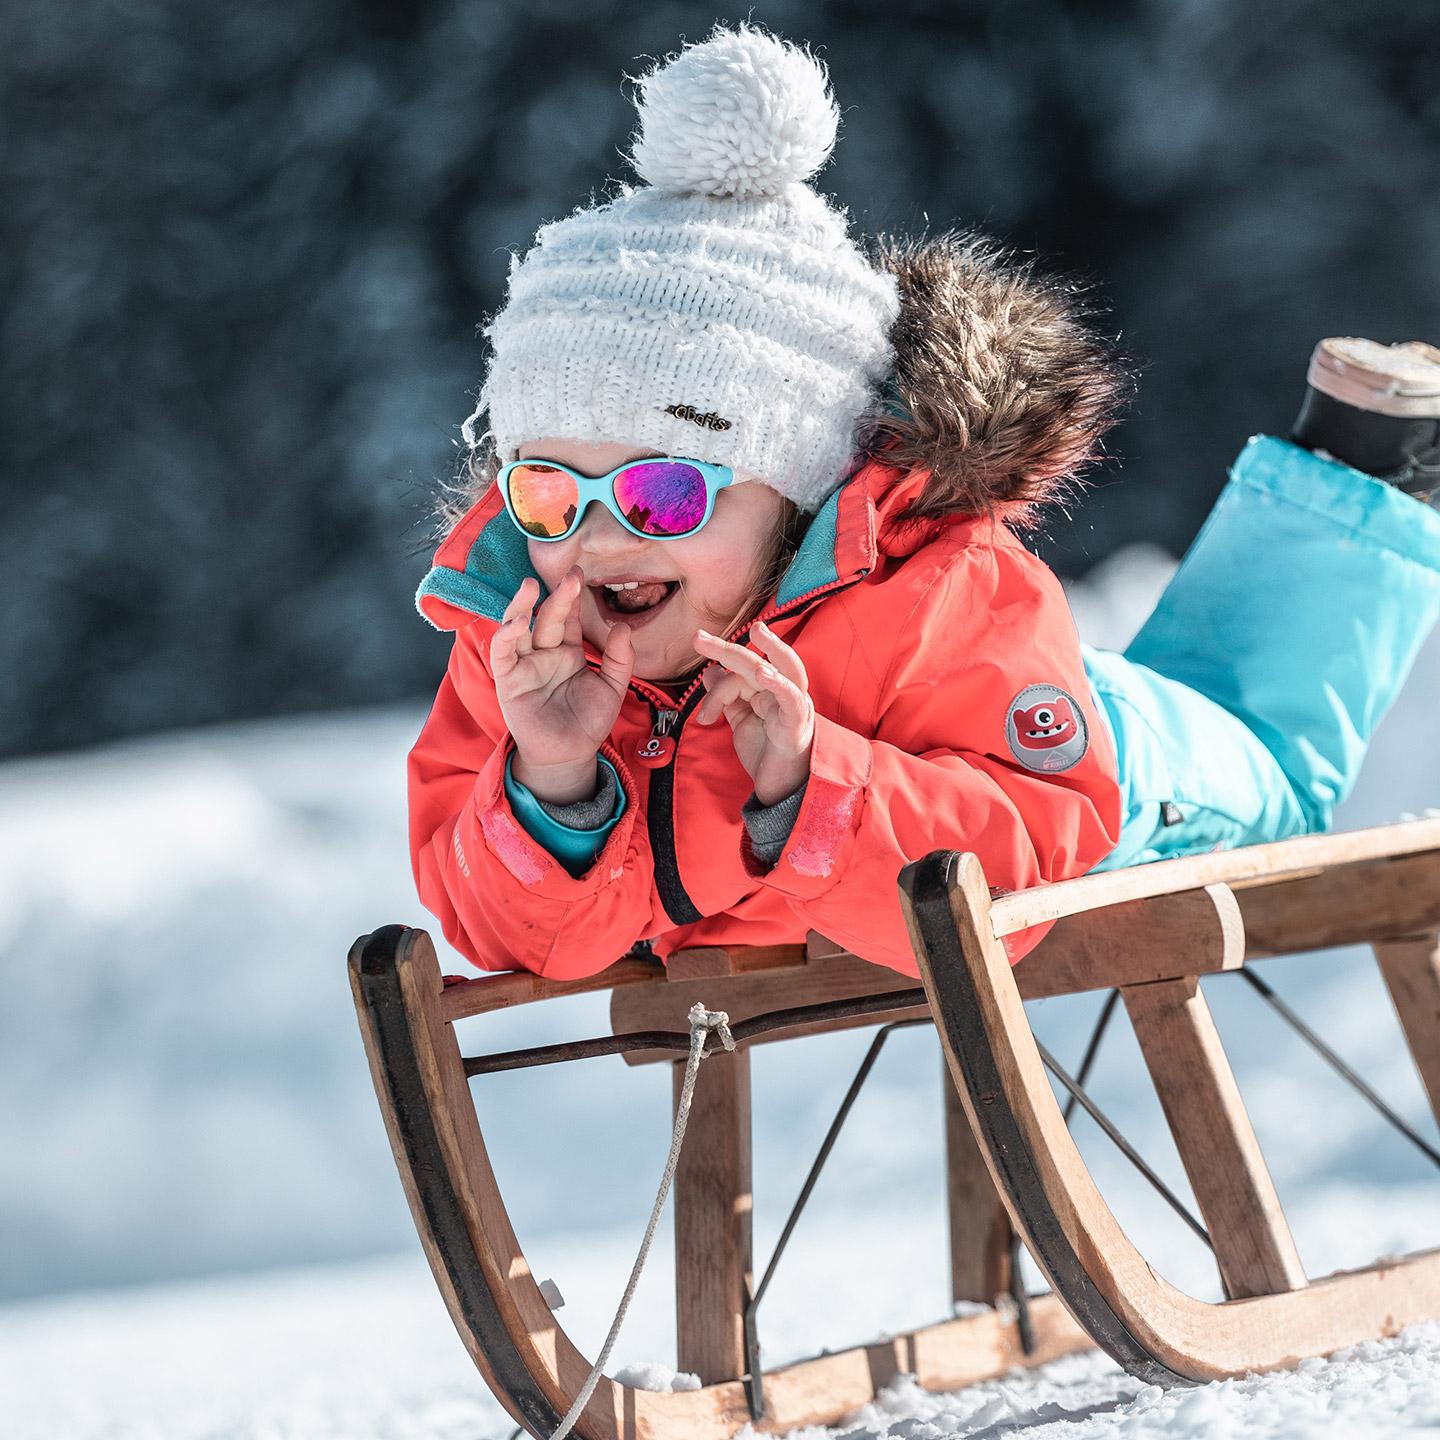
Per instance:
(1014,1173)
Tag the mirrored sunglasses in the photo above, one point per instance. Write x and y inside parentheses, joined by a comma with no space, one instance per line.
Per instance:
(663,498)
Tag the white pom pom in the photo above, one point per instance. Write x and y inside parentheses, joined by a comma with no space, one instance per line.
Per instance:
(740,114)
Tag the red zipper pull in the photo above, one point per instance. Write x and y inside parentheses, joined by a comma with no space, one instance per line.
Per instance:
(660,746)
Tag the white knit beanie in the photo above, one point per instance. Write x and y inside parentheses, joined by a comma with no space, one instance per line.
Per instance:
(721,311)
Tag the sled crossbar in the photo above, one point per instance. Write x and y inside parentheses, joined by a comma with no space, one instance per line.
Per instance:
(804,1017)
(1012,1172)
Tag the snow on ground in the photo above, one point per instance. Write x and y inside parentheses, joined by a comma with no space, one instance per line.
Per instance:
(183,1093)
(366,1350)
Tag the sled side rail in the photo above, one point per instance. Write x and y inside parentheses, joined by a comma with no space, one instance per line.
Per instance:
(1381,886)
(1201,932)
(1248,866)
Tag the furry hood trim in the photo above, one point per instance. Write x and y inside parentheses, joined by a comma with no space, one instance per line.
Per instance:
(1000,392)
(1001,389)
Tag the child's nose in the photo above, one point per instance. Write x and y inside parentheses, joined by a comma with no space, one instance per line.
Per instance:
(600,530)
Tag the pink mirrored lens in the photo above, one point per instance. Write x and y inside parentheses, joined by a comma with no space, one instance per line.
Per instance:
(543,499)
(663,498)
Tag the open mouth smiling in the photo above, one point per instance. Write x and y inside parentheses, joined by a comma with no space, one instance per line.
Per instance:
(633,599)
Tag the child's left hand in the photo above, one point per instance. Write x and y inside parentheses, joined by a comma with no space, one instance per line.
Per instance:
(768,706)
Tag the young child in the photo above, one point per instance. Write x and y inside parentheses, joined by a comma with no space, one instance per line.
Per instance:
(796,644)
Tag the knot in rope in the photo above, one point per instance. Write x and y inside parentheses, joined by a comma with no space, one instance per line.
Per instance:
(703,1022)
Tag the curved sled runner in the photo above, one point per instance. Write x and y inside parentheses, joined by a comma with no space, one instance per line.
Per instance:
(1380,886)
(1147,932)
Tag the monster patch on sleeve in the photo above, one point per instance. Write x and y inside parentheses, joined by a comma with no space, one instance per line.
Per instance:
(1046,729)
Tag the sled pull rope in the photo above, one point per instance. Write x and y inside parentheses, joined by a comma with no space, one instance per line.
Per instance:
(703,1023)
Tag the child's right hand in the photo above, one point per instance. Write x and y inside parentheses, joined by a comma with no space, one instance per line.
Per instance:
(557,709)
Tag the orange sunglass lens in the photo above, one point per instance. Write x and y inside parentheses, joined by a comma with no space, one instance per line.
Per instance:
(543,499)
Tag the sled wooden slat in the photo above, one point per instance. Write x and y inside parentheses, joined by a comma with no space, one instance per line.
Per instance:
(1253,863)
(713,1261)
(1196,932)
(944,1356)
(1153,1329)
(1232,1184)
(1345,905)
(979,1227)
(665,1005)
(516,987)
(1411,969)
(1136,942)
(711,962)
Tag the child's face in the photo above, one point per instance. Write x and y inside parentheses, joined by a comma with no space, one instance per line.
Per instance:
(716,566)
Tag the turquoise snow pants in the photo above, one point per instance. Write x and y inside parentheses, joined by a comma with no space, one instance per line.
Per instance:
(1243,708)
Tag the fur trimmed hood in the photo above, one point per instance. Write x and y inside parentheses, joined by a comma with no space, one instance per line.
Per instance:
(1001,390)
(1000,393)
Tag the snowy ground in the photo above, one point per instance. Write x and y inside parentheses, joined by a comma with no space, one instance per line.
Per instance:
(182,1093)
(366,1351)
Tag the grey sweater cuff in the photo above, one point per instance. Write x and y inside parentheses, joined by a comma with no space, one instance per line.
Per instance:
(588,814)
(769,826)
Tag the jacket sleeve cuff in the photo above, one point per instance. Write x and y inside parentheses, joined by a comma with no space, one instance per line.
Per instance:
(574,834)
(823,834)
(490,822)
(769,826)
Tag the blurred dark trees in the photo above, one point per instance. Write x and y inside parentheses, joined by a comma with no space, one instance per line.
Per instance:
(246,249)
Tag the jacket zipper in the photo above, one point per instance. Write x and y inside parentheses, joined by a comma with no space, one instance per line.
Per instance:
(660,819)
(666,724)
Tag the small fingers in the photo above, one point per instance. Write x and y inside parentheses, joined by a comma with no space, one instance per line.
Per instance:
(618,661)
(751,678)
(724,689)
(735,658)
(785,660)
(512,637)
(782,705)
(551,617)
(778,697)
(574,632)
(523,600)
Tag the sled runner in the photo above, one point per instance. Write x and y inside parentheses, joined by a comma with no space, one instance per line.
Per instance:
(1015,1175)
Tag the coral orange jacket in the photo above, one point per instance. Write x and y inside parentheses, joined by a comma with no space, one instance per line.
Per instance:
(952,712)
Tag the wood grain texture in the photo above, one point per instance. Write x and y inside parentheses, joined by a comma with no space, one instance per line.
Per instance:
(946,1356)
(979,1227)
(1380,899)
(463,998)
(515,1341)
(665,1004)
(1012,913)
(710,962)
(1253,1245)
(1055,1205)
(1194,932)
(1412,974)
(713,1206)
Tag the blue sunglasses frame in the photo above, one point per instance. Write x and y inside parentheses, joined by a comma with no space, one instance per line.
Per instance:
(602,488)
